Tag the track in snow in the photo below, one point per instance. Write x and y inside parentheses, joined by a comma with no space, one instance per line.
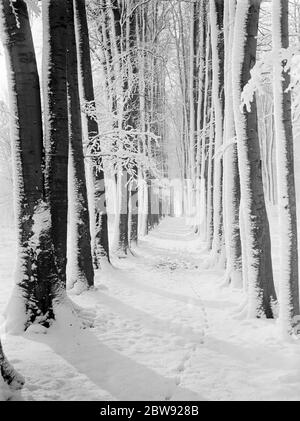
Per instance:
(163,330)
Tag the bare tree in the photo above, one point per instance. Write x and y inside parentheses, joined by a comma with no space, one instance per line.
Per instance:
(231,180)
(56,126)
(217,41)
(289,276)
(87,95)
(37,275)
(257,249)
(82,271)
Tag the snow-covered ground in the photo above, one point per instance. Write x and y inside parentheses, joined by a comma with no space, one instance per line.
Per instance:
(163,329)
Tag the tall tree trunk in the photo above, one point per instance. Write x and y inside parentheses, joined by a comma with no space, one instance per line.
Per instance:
(201,119)
(143,191)
(206,147)
(36,274)
(56,127)
(192,92)
(133,213)
(122,241)
(231,181)
(217,41)
(288,284)
(87,94)
(118,37)
(132,118)
(210,182)
(261,291)
(82,271)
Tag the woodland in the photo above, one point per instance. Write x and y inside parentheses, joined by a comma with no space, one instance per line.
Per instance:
(150,144)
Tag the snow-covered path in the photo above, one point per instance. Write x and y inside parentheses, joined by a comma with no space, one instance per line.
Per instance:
(163,329)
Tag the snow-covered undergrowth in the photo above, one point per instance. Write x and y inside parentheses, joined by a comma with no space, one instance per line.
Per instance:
(163,329)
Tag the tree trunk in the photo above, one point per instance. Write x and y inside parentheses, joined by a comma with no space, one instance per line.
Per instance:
(119,40)
(82,271)
(217,41)
(10,376)
(143,192)
(261,292)
(205,144)
(133,213)
(122,241)
(56,127)
(210,183)
(201,119)
(132,109)
(288,284)
(36,282)
(231,181)
(192,92)
(87,95)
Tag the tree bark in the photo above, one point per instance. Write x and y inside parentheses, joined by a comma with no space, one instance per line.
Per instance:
(289,277)
(231,180)
(143,191)
(261,291)
(87,95)
(56,127)
(14,380)
(82,266)
(210,183)
(122,246)
(132,116)
(205,144)
(217,41)
(36,282)
(133,213)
